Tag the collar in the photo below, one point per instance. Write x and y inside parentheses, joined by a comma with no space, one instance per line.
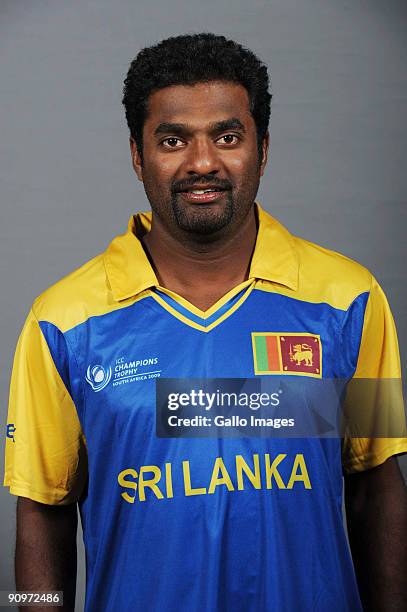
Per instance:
(129,271)
(275,257)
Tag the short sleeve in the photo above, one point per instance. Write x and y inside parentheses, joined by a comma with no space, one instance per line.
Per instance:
(45,457)
(376,389)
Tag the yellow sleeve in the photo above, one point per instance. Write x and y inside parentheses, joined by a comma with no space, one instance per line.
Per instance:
(45,457)
(376,390)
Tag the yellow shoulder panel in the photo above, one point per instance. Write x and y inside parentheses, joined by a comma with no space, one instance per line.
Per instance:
(324,277)
(83,293)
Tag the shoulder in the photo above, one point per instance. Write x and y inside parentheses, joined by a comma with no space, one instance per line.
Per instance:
(307,271)
(77,296)
(327,276)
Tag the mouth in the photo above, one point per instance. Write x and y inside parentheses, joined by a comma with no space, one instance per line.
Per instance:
(203,196)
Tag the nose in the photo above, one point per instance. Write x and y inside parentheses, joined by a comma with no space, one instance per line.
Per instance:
(202,157)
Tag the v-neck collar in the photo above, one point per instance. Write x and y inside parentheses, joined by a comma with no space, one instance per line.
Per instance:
(203,320)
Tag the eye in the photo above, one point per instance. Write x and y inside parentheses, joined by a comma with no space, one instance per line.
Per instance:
(228,139)
(172,142)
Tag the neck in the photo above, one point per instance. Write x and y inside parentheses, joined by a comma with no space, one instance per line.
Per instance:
(193,269)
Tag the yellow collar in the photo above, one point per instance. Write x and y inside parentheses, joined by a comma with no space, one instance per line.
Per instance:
(129,270)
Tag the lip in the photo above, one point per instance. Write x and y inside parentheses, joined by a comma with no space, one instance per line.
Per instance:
(203,198)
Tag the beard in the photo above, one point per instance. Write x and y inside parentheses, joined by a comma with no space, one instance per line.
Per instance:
(203,219)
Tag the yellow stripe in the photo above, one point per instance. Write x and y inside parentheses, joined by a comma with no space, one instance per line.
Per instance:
(187,321)
(176,314)
(206,314)
(233,309)
(280,356)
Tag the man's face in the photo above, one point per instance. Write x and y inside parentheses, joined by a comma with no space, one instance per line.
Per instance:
(200,138)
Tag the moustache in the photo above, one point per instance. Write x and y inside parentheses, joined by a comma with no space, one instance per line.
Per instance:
(208,180)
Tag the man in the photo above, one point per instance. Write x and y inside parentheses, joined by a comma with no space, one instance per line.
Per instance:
(208,286)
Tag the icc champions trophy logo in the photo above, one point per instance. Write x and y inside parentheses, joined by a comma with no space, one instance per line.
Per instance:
(98,377)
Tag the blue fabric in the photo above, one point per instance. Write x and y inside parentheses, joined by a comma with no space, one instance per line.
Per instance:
(65,362)
(244,550)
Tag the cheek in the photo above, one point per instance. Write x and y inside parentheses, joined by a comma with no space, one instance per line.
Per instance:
(243,166)
(165,165)
(243,161)
(159,172)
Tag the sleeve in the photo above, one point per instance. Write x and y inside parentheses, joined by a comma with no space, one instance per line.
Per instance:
(45,456)
(375,398)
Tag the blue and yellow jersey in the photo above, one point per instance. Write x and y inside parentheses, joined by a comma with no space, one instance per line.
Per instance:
(181,524)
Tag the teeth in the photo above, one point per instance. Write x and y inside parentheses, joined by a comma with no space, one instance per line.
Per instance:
(201,191)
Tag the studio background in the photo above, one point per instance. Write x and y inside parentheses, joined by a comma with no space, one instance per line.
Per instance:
(336,174)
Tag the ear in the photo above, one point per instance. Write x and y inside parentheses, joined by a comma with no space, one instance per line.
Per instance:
(136,159)
(265,148)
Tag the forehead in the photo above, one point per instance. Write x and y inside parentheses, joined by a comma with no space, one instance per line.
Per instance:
(199,104)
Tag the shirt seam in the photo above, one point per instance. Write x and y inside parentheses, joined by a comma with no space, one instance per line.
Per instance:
(363,324)
(377,457)
(11,482)
(77,365)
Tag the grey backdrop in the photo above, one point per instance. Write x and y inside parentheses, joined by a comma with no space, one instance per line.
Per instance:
(337,173)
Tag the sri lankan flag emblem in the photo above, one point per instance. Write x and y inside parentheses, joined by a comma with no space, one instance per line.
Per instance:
(287,354)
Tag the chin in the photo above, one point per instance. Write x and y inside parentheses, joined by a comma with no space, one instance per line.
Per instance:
(203,220)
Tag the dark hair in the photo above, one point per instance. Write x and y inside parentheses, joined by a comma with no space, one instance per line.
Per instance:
(193,58)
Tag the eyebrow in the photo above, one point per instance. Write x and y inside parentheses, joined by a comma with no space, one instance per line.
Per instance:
(182,128)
